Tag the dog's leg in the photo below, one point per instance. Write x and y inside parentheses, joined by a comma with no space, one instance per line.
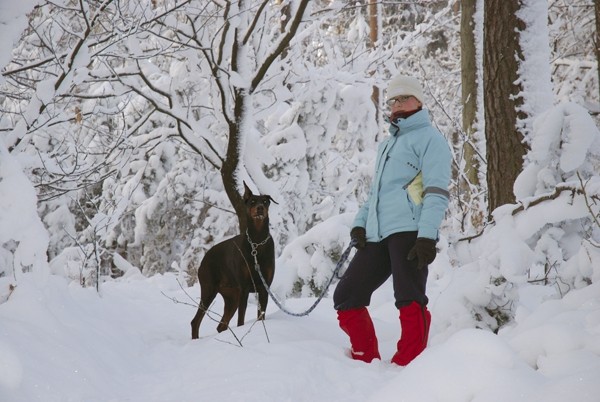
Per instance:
(263,299)
(231,296)
(242,307)
(208,295)
(196,321)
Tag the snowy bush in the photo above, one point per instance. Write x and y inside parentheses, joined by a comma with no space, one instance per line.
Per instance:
(551,237)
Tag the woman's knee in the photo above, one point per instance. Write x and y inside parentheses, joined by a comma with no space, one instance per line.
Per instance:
(346,296)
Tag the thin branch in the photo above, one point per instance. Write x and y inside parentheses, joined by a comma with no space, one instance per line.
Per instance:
(558,190)
(587,201)
(254,22)
(283,44)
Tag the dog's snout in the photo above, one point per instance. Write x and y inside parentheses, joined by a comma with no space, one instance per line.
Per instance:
(260,208)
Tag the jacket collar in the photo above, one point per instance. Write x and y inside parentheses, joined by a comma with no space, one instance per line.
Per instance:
(401,125)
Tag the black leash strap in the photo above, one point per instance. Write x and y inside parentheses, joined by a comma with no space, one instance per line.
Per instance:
(338,267)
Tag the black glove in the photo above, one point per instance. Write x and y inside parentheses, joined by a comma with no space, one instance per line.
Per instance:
(359,235)
(425,251)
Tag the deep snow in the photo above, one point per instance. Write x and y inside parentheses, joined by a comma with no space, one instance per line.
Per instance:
(131,342)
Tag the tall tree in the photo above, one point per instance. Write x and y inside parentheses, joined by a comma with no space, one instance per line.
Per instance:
(597,40)
(238,64)
(468,179)
(469,87)
(374,37)
(501,56)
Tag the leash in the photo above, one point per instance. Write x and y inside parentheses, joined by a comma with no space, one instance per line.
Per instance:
(338,267)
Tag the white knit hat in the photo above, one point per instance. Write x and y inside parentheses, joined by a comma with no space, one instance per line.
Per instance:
(404,85)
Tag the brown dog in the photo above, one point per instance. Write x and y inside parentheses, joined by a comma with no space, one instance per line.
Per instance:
(228,268)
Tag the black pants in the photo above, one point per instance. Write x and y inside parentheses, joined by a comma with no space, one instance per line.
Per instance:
(373,265)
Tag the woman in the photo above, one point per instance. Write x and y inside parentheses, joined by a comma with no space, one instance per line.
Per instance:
(396,230)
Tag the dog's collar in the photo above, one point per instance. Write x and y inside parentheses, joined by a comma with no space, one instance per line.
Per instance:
(256,245)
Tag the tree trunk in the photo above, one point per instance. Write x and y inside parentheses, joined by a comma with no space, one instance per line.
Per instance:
(285,18)
(241,96)
(597,41)
(501,55)
(469,88)
(374,36)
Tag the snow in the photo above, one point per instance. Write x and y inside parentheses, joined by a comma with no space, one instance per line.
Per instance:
(23,238)
(13,21)
(130,341)
(568,129)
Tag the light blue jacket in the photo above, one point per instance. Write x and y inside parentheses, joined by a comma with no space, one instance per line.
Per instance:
(409,191)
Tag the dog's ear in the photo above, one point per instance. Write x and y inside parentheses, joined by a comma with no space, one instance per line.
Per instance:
(271,198)
(247,192)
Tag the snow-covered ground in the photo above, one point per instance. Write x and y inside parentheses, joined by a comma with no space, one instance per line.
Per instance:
(131,342)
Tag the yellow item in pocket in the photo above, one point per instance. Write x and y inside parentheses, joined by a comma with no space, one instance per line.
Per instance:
(415,189)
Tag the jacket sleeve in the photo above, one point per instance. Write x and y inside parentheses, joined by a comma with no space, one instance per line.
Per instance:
(435,166)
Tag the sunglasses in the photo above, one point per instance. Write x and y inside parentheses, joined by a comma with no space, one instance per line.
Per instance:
(399,99)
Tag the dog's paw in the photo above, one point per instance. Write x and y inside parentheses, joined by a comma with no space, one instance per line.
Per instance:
(221,327)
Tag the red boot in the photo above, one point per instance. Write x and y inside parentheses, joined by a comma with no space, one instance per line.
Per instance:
(414,321)
(358,325)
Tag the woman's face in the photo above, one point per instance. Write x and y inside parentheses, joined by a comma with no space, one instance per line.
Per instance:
(403,103)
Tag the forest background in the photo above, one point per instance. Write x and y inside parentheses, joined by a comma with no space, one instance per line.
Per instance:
(137,122)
